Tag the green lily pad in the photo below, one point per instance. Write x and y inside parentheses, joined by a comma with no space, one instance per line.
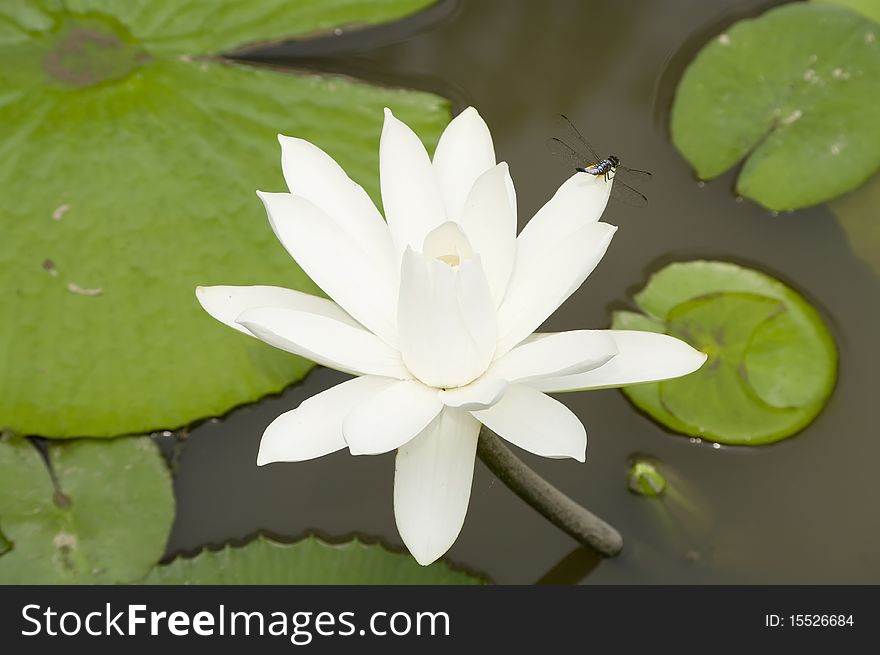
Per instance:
(310,561)
(794,93)
(102,515)
(129,163)
(647,396)
(771,365)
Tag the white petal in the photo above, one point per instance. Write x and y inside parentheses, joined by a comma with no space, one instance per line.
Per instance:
(489,221)
(314,428)
(464,152)
(336,262)
(541,282)
(446,320)
(226,303)
(325,341)
(642,357)
(579,201)
(390,418)
(432,484)
(312,174)
(536,422)
(557,354)
(481,394)
(413,206)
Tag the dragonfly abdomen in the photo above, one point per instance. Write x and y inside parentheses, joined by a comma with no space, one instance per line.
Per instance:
(603,167)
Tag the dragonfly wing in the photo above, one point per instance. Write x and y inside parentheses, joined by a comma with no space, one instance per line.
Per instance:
(635,174)
(587,156)
(566,152)
(625,194)
(568,129)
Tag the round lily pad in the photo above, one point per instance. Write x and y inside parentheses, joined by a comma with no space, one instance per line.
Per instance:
(130,157)
(792,92)
(101,515)
(310,561)
(771,365)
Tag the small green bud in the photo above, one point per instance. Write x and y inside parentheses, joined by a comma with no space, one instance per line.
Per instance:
(644,479)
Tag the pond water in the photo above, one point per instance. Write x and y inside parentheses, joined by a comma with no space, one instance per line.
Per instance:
(800,511)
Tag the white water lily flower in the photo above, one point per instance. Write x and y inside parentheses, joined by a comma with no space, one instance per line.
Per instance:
(435,312)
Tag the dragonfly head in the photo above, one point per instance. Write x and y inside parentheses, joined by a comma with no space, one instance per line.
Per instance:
(615,161)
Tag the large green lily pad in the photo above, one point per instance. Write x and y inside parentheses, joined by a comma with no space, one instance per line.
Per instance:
(310,561)
(794,93)
(101,515)
(128,163)
(771,366)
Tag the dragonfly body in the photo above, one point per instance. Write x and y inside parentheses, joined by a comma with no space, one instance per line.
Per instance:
(586,160)
(605,168)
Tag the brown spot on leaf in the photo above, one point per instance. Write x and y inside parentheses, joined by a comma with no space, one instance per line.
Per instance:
(65,543)
(85,55)
(50,268)
(61,500)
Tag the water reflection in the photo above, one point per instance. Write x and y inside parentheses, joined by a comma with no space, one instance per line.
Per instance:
(572,568)
(859,214)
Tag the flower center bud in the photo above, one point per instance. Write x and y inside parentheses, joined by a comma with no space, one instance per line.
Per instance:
(451,260)
(448,244)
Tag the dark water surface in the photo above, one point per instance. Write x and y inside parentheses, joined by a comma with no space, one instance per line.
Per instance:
(804,510)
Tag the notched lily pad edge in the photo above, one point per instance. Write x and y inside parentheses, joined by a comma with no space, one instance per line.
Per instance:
(315,537)
(416,19)
(180,432)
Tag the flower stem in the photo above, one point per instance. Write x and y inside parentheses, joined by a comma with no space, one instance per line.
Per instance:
(559,509)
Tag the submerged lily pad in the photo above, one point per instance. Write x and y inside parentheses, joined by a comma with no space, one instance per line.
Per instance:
(101,515)
(771,366)
(127,177)
(794,93)
(859,215)
(310,561)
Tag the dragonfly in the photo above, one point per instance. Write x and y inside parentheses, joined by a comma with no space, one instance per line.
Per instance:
(587,160)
